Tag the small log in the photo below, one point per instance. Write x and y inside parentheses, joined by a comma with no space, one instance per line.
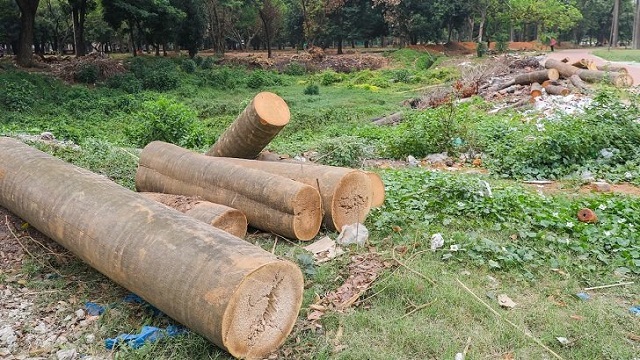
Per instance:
(615,79)
(565,70)
(219,216)
(577,82)
(537,77)
(270,202)
(612,68)
(503,85)
(557,90)
(252,131)
(388,120)
(536,90)
(585,64)
(377,189)
(346,193)
(242,298)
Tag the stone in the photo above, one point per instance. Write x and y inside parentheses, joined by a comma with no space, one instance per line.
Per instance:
(80,314)
(601,186)
(90,338)
(68,354)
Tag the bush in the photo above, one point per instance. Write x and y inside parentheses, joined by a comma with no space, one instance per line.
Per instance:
(208,63)
(165,120)
(17,95)
(223,78)
(189,66)
(87,73)
(347,151)
(126,82)
(295,69)
(158,74)
(198,60)
(312,89)
(329,77)
(481,49)
(424,62)
(262,78)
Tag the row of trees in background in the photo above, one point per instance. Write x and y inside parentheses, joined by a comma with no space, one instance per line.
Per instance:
(130,25)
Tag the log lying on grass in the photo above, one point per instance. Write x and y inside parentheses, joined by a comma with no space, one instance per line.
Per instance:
(270,202)
(529,78)
(240,297)
(612,68)
(616,79)
(577,82)
(256,126)
(392,119)
(222,217)
(346,193)
(564,69)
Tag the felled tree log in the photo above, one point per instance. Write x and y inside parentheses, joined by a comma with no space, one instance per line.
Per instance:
(270,202)
(585,64)
(613,78)
(222,217)
(346,193)
(388,120)
(252,131)
(537,76)
(377,189)
(557,90)
(564,69)
(577,82)
(240,297)
(612,68)
(536,90)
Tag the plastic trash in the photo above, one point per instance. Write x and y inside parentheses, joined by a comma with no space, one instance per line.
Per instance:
(135,299)
(147,334)
(354,233)
(93,309)
(437,241)
(412,161)
(635,310)
(583,296)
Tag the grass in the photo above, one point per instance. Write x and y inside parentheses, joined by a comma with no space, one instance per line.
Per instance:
(619,55)
(507,238)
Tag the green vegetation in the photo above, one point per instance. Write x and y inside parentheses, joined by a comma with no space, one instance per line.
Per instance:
(501,236)
(619,55)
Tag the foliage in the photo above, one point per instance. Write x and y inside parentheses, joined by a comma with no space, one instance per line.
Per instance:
(223,78)
(17,95)
(481,49)
(312,89)
(259,79)
(126,82)
(346,151)
(295,69)
(208,63)
(618,55)
(189,66)
(155,73)
(87,73)
(329,77)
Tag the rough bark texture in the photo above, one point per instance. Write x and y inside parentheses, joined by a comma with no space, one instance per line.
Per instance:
(252,131)
(612,68)
(536,90)
(537,77)
(270,202)
(222,217)
(557,90)
(28,9)
(565,70)
(577,82)
(237,295)
(346,193)
(616,79)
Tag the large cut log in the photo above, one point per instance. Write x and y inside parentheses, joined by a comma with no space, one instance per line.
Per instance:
(557,90)
(237,295)
(252,131)
(537,77)
(564,69)
(270,202)
(222,217)
(616,79)
(536,90)
(346,193)
(612,68)
(577,82)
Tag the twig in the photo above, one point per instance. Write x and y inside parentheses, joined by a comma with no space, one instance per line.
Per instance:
(273,249)
(466,347)
(418,308)
(393,255)
(609,286)
(508,321)
(6,220)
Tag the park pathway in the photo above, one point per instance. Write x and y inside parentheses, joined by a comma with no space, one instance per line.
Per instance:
(577,54)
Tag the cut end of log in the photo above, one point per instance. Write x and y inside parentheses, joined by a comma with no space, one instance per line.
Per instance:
(351,201)
(271,109)
(554,74)
(263,310)
(623,80)
(377,189)
(536,90)
(307,213)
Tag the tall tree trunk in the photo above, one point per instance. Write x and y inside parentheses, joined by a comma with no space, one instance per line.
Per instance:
(133,40)
(267,32)
(78,13)
(28,10)
(614,24)
(636,27)
(483,18)
(340,52)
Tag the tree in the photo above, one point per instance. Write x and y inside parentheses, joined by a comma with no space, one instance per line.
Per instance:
(636,27)
(78,13)
(9,24)
(615,23)
(28,9)
(271,15)
(191,25)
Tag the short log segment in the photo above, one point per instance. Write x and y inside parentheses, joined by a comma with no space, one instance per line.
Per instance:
(537,77)
(237,295)
(222,217)
(612,68)
(252,131)
(557,90)
(346,193)
(616,79)
(270,202)
(536,90)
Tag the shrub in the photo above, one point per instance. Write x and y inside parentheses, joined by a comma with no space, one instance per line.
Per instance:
(312,89)
(329,77)
(189,66)
(87,73)
(348,151)
(223,78)
(126,82)
(402,75)
(198,60)
(481,49)
(262,78)
(424,62)
(165,120)
(158,74)
(295,69)
(208,63)
(17,95)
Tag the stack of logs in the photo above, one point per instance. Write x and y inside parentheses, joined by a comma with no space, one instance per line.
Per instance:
(191,262)
(577,74)
(291,199)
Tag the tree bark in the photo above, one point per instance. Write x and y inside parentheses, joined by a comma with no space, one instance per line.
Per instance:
(219,216)
(270,202)
(636,27)
(346,193)
(565,70)
(557,90)
(242,298)
(78,13)
(28,10)
(614,23)
(616,79)
(612,68)
(392,119)
(254,128)
(377,189)
(577,82)
(537,77)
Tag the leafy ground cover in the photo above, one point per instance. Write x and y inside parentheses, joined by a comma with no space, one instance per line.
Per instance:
(500,235)
(619,55)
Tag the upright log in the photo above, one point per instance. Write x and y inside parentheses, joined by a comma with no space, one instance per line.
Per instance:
(270,202)
(242,298)
(346,193)
(222,217)
(252,131)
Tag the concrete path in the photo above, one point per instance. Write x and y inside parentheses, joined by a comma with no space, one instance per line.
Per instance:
(577,54)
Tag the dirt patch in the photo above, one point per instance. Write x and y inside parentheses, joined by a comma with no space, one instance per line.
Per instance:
(559,187)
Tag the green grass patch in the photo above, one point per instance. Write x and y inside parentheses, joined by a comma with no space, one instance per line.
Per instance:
(618,55)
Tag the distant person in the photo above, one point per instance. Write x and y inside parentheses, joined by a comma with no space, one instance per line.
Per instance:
(553,43)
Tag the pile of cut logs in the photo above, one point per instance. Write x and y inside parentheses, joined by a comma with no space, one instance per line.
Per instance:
(292,199)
